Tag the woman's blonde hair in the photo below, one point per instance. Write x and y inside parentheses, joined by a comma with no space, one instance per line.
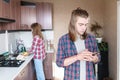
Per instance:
(76,13)
(36,27)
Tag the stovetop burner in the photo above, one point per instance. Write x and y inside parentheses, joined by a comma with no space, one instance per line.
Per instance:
(10,63)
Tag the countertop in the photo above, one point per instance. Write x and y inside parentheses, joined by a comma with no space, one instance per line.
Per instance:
(9,73)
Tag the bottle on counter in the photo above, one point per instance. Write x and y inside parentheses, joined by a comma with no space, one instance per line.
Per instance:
(45,42)
(49,45)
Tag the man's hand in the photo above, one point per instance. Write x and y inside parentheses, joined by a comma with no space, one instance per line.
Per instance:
(87,56)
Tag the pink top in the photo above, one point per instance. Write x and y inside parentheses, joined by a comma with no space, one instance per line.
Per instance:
(38,48)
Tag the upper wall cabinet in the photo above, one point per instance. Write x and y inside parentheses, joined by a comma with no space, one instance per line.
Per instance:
(5,8)
(44,15)
(15,13)
(28,14)
(36,12)
(10,13)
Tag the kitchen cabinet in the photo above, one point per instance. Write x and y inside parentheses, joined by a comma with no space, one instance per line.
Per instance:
(28,73)
(28,14)
(44,15)
(48,66)
(14,14)
(36,12)
(5,8)
(23,74)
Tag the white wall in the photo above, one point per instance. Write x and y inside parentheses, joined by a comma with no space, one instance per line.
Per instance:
(110,34)
(118,40)
(2,44)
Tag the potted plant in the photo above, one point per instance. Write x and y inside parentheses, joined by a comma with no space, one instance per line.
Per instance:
(97,30)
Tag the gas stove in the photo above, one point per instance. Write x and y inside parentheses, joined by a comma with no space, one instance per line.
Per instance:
(10,60)
(10,63)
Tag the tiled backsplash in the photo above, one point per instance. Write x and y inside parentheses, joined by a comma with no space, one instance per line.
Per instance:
(25,36)
(2,43)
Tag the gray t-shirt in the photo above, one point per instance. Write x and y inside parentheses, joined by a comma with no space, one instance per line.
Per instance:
(80,46)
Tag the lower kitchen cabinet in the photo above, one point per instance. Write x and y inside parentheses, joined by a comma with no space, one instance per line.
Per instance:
(28,73)
(23,74)
(48,66)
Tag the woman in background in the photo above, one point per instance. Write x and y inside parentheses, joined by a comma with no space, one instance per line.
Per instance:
(38,48)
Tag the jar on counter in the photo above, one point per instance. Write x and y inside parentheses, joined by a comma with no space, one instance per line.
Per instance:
(48,45)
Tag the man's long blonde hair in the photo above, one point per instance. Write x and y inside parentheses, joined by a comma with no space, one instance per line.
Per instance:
(36,30)
(76,13)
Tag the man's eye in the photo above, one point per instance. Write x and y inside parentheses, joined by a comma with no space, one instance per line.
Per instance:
(80,24)
(86,24)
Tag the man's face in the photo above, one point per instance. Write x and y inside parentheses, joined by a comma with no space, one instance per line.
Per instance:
(81,25)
